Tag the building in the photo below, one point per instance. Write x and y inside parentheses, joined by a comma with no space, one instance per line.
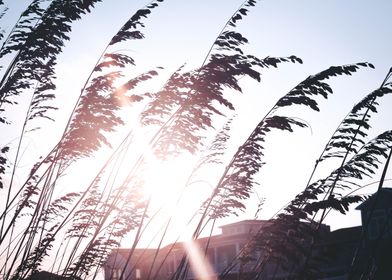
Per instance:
(338,249)
(376,213)
(222,250)
(230,254)
(340,253)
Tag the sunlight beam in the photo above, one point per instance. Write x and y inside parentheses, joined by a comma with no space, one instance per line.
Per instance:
(200,265)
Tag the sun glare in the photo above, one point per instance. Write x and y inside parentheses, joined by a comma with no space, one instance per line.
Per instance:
(200,266)
(174,199)
(166,184)
(165,180)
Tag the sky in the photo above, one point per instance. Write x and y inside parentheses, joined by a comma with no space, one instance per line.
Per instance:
(321,33)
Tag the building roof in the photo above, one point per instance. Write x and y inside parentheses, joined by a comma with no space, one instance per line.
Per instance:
(179,246)
(44,275)
(384,196)
(343,235)
(247,222)
(139,253)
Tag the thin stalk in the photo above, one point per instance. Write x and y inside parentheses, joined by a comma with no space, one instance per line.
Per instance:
(12,178)
(225,173)
(14,61)
(331,189)
(41,218)
(101,221)
(136,241)
(168,223)
(12,31)
(15,166)
(25,235)
(65,220)
(221,32)
(121,152)
(373,207)
(15,162)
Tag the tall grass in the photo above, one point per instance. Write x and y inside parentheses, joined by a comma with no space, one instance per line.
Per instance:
(78,229)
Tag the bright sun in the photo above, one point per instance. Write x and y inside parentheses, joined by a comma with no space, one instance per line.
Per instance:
(166,185)
(165,180)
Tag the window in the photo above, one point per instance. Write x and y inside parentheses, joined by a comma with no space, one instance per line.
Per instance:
(225,255)
(116,274)
(378,224)
(170,267)
(389,221)
(138,273)
(211,255)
